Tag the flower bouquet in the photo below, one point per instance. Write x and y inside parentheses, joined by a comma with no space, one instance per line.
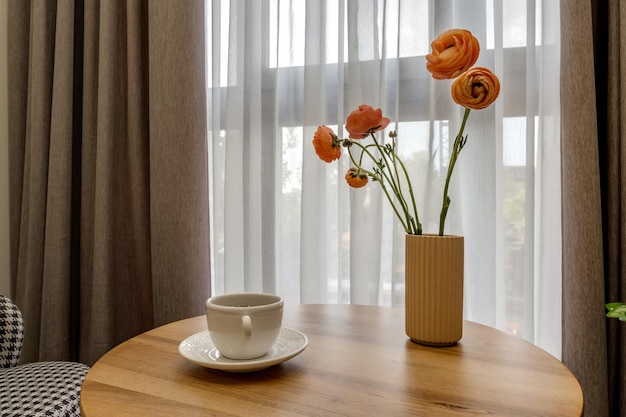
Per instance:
(452,56)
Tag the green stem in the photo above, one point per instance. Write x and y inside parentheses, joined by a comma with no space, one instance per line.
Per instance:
(394,180)
(416,223)
(380,180)
(459,142)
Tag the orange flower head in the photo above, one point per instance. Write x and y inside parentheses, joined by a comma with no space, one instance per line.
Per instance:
(476,88)
(453,52)
(356,178)
(326,144)
(365,120)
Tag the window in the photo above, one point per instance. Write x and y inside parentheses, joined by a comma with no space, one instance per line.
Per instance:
(285,222)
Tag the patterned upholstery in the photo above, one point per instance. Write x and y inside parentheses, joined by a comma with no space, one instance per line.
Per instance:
(37,389)
(42,389)
(11,333)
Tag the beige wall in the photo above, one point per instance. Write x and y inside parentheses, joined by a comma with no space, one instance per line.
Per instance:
(4,156)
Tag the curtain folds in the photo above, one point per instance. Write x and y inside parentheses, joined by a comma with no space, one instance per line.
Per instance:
(593,185)
(284,221)
(583,270)
(108,173)
(611,127)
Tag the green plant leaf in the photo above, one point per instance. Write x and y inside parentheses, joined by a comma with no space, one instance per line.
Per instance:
(616,311)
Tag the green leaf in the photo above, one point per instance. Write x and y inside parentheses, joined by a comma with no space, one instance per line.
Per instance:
(616,311)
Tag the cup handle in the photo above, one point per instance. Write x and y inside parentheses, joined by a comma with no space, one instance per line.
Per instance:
(246,325)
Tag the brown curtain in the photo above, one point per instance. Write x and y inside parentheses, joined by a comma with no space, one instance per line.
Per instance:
(593,184)
(610,42)
(108,170)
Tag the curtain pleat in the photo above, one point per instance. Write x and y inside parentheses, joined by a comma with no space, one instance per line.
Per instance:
(584,322)
(109,182)
(43,240)
(179,187)
(613,174)
(592,157)
(114,236)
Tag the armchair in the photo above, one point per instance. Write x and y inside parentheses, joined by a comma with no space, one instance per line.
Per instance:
(38,388)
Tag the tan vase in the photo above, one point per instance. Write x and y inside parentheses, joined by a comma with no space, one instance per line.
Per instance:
(434,289)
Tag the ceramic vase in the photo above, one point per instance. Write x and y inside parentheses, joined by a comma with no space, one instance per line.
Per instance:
(434,289)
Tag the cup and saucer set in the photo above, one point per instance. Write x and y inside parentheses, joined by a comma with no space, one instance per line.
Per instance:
(245,334)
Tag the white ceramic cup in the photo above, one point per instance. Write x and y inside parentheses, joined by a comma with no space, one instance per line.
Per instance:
(244,325)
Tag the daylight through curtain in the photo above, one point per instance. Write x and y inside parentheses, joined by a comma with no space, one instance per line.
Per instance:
(284,221)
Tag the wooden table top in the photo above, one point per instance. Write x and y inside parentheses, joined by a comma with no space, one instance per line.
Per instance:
(358,362)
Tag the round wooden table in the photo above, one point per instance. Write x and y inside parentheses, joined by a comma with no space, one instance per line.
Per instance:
(358,362)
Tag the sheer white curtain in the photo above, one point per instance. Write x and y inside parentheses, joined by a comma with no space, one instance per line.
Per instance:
(284,221)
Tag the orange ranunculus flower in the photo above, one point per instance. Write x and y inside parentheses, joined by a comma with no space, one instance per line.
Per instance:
(326,145)
(453,52)
(365,120)
(476,88)
(355,178)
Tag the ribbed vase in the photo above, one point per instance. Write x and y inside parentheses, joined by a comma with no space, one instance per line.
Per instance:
(434,289)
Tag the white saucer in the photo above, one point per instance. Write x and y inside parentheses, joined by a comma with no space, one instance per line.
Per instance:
(200,350)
